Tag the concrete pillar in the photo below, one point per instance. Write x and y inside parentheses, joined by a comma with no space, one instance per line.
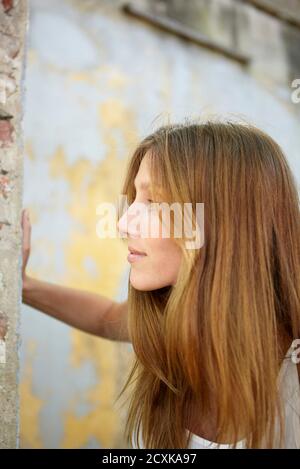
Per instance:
(13,27)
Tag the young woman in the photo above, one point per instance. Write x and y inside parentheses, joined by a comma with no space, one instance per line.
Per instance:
(214,328)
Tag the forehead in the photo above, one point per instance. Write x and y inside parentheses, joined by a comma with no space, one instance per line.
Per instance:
(143,177)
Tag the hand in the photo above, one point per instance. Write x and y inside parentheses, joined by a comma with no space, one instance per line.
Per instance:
(26,227)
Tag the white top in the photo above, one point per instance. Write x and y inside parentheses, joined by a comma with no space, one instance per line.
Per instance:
(289,387)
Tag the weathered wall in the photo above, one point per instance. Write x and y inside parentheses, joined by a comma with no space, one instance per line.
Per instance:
(97,81)
(13,22)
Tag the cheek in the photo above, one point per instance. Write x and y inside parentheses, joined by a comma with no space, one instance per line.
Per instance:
(160,246)
(160,268)
(152,227)
(164,255)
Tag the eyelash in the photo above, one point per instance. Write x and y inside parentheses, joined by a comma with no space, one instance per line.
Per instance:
(148,200)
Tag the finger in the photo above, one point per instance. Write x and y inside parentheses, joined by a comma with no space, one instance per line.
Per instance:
(26,232)
(24,216)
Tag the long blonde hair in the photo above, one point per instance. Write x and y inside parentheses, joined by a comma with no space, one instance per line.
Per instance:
(216,338)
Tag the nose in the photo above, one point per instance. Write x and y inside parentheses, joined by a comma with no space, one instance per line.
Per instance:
(121,225)
(125,225)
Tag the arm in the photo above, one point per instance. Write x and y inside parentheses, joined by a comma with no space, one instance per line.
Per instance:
(87,311)
(90,312)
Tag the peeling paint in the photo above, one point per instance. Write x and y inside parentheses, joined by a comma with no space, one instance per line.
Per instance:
(7,5)
(3,332)
(7,87)
(5,115)
(102,422)
(91,182)
(6,186)
(6,130)
(2,352)
(3,325)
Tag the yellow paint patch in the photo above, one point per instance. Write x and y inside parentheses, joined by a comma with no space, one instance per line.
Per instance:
(91,184)
(32,56)
(114,78)
(85,77)
(102,422)
(29,150)
(118,80)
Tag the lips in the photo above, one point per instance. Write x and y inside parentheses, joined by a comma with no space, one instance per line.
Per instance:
(135,251)
(135,255)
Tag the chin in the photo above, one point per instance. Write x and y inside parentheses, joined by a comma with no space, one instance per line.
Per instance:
(143,285)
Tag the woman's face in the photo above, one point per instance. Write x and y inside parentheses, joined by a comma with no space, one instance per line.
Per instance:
(159,265)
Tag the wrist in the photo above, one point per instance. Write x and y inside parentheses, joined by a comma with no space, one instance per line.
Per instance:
(26,285)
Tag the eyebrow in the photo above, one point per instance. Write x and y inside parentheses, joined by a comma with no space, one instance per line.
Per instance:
(144,185)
